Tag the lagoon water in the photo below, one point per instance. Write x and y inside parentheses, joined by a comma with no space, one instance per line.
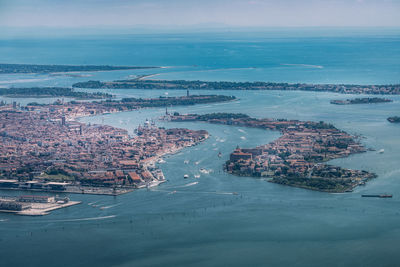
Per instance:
(183,223)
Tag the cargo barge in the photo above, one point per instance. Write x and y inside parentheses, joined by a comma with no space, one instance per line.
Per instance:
(380,196)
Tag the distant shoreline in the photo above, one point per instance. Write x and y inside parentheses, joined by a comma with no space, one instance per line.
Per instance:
(358,101)
(58,69)
(142,83)
(49,92)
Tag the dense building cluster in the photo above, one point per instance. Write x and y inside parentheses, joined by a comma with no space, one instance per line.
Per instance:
(296,158)
(45,143)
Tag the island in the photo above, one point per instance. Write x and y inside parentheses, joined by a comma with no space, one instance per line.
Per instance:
(365,100)
(45,69)
(395,119)
(297,158)
(79,108)
(45,148)
(51,92)
(143,83)
(34,205)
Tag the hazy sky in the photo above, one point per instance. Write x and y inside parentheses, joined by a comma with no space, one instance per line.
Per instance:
(208,13)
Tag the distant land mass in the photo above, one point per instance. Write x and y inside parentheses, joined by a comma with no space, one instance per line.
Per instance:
(51,92)
(28,68)
(365,100)
(394,119)
(223,85)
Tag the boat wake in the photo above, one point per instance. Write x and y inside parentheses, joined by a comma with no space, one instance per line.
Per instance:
(111,206)
(82,219)
(180,186)
(305,65)
(221,140)
(190,184)
(197,192)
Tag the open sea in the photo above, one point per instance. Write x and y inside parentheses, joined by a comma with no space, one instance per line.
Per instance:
(200,222)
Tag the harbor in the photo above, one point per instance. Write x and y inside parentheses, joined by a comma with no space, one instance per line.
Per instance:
(34,205)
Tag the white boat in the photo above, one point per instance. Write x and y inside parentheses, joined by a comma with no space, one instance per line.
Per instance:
(197,176)
(202,170)
(186,176)
(381,151)
(186,162)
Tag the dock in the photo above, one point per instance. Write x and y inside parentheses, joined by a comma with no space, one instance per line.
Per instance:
(64,187)
(34,205)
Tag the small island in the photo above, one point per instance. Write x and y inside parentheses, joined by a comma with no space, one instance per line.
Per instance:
(365,100)
(45,69)
(143,83)
(297,157)
(51,92)
(394,119)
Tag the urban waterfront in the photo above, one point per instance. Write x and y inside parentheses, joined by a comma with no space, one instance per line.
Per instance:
(220,219)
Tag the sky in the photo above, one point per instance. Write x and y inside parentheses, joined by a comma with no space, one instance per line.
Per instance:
(201,13)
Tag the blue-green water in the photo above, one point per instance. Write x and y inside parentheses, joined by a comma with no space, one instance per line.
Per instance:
(204,224)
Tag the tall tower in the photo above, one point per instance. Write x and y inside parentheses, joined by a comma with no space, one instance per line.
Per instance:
(187,92)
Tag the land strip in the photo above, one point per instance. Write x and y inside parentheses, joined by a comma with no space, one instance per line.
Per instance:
(365,100)
(31,68)
(206,85)
(51,92)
